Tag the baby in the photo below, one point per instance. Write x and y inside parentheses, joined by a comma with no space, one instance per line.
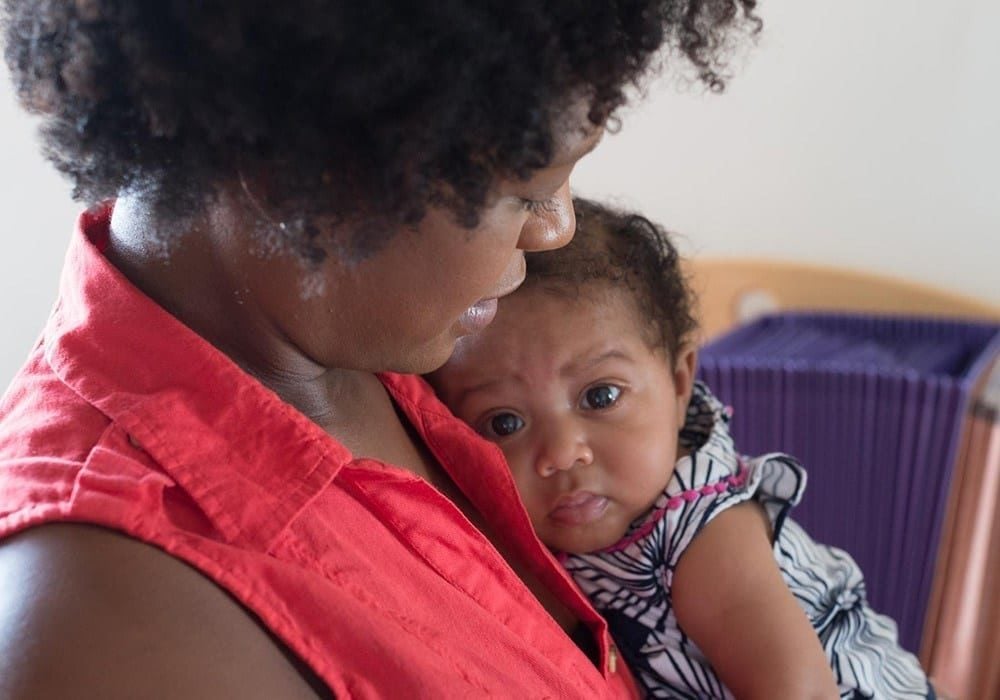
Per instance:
(585,380)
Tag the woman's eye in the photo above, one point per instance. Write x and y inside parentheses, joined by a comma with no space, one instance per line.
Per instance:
(602,396)
(536,206)
(503,424)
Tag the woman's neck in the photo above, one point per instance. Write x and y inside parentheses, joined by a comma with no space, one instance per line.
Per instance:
(194,275)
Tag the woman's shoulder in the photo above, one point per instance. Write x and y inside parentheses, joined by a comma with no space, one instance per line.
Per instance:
(90,610)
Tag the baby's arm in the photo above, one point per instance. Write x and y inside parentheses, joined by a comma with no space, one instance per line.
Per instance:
(730,598)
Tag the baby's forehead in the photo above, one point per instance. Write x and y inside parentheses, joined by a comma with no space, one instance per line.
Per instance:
(600,307)
(540,333)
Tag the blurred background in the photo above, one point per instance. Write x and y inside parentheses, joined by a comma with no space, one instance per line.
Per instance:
(858,134)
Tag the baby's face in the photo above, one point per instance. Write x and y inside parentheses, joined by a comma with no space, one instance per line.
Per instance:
(585,412)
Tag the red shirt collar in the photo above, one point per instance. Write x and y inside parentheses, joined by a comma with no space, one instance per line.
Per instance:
(186,403)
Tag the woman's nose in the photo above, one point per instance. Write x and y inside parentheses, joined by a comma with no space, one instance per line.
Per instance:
(564,448)
(552,227)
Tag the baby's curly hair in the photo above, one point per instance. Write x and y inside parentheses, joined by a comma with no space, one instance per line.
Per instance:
(629,251)
(348,111)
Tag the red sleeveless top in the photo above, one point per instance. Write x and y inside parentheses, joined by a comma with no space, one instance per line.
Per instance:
(125,418)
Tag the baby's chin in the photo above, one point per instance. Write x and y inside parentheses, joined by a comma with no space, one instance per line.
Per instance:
(581,542)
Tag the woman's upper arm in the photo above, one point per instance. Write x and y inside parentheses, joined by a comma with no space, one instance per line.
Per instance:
(729,596)
(88,613)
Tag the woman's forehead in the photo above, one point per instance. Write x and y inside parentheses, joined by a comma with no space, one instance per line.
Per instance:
(576,141)
(571,147)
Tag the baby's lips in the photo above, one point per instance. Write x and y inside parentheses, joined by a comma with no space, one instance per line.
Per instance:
(578,508)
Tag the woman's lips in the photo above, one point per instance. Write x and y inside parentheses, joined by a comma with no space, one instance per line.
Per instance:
(579,508)
(478,316)
(481,314)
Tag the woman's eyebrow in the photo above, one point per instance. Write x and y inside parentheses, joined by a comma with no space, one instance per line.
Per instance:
(594,143)
(582,149)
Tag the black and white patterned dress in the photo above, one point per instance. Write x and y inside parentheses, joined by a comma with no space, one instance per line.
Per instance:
(629,583)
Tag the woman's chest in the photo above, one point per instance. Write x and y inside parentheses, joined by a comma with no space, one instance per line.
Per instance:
(400,568)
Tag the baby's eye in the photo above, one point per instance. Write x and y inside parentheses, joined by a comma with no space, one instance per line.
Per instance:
(601,396)
(503,424)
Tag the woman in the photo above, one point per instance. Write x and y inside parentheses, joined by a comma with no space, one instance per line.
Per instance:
(214,480)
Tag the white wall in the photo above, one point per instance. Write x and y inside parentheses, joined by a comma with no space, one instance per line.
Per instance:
(36,221)
(858,133)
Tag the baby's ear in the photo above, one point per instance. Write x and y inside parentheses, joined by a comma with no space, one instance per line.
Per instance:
(685,365)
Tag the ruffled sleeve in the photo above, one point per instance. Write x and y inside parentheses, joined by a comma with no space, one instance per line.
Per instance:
(703,486)
(714,477)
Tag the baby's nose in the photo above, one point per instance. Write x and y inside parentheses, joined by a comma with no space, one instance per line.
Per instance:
(565,449)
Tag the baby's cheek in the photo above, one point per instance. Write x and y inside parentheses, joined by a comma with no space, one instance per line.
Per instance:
(519,464)
(528,488)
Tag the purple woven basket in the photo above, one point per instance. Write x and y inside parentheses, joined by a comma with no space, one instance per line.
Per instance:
(873,407)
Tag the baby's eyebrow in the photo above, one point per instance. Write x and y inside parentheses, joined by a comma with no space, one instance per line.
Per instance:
(582,365)
(478,387)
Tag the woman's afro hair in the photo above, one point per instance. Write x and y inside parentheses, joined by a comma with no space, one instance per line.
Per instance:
(356,111)
(627,251)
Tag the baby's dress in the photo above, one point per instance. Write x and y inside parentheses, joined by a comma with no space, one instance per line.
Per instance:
(629,583)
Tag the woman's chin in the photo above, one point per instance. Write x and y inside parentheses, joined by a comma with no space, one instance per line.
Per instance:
(431,357)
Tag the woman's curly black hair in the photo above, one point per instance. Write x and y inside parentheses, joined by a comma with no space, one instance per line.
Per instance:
(361,111)
(627,251)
